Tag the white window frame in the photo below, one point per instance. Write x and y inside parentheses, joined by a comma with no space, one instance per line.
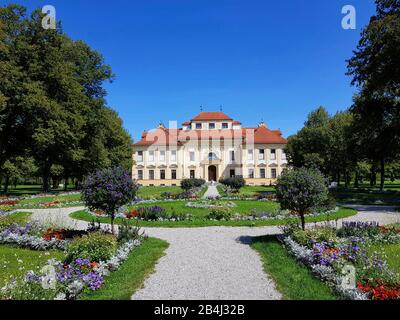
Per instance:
(190,156)
(150,175)
(276,173)
(140,174)
(250,173)
(211,123)
(250,154)
(261,154)
(139,157)
(173,155)
(152,155)
(262,176)
(273,154)
(162,155)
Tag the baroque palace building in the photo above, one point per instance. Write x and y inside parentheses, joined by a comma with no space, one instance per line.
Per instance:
(211,146)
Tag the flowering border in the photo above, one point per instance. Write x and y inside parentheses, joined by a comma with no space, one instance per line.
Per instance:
(325,273)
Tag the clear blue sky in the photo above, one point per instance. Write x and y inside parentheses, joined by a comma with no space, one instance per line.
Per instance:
(275,60)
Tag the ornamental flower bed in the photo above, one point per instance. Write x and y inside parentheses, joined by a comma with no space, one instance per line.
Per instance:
(210,204)
(61,234)
(329,252)
(67,281)
(28,236)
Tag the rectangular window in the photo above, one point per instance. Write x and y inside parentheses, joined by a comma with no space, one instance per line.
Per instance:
(151,156)
(173,174)
(211,126)
(261,154)
(162,174)
(283,154)
(273,154)
(191,156)
(140,156)
(273,173)
(250,156)
(151,174)
(173,155)
(140,174)
(192,174)
(198,126)
(224,125)
(251,173)
(162,156)
(232,173)
(262,173)
(232,155)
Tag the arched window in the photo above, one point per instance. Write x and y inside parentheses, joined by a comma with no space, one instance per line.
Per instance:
(212,156)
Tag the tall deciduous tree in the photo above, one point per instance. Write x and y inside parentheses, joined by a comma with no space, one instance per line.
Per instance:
(375,67)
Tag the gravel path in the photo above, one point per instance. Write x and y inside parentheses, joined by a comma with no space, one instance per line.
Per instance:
(212,192)
(211,262)
(382,214)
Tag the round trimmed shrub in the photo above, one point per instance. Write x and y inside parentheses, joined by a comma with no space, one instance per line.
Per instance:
(96,246)
(300,190)
(108,190)
(234,183)
(219,213)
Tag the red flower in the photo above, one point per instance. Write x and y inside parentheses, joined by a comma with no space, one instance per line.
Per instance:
(132,214)
(381,291)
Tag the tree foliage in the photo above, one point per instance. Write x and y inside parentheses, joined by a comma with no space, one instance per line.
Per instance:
(300,190)
(108,190)
(52,100)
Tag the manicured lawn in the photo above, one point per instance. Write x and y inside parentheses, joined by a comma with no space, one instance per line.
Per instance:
(292,279)
(16,262)
(242,206)
(365,196)
(391,252)
(121,284)
(18,217)
(155,192)
(199,221)
(248,191)
(37,202)
(33,189)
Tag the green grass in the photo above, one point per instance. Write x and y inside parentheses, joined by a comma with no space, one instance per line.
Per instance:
(391,252)
(35,203)
(293,280)
(201,222)
(367,196)
(16,262)
(33,189)
(155,192)
(18,217)
(121,284)
(247,191)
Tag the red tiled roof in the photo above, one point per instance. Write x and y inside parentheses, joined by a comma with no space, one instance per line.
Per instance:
(236,122)
(211,116)
(186,123)
(163,136)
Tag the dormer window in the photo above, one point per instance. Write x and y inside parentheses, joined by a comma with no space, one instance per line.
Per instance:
(224,125)
(211,125)
(198,126)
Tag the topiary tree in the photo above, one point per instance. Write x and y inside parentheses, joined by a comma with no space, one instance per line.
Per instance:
(301,189)
(234,183)
(188,184)
(108,190)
